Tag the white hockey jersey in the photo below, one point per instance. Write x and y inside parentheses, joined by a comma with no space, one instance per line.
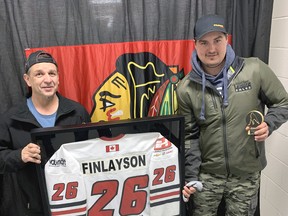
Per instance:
(133,174)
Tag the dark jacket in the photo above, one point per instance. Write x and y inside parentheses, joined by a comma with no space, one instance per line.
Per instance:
(221,141)
(21,194)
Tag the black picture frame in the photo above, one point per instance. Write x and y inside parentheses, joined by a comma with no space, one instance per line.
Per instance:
(50,139)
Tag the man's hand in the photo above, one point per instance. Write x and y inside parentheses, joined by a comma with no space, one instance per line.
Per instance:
(187,191)
(261,132)
(31,153)
(190,188)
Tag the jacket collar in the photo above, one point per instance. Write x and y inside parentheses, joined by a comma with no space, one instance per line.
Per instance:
(22,112)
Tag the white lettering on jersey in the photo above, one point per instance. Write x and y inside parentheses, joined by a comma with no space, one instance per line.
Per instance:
(117,164)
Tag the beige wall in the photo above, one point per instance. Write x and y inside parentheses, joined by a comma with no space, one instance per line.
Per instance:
(274,181)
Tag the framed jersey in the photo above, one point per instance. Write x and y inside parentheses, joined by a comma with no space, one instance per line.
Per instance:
(124,167)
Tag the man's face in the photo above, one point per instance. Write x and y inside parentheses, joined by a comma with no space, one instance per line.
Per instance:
(211,50)
(43,79)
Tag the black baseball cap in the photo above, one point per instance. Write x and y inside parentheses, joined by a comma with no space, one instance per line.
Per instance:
(209,23)
(39,56)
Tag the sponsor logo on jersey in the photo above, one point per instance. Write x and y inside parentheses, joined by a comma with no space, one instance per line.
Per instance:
(57,162)
(116,164)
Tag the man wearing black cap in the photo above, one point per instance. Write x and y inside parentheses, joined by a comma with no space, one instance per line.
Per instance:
(222,151)
(44,107)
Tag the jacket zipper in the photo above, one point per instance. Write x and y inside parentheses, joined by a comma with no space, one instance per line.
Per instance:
(226,155)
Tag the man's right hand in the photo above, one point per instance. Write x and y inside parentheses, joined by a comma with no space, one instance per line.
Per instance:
(31,153)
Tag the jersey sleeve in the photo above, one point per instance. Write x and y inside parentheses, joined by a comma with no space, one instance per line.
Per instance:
(65,185)
(165,179)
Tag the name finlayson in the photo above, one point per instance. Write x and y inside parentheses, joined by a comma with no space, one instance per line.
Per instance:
(114,164)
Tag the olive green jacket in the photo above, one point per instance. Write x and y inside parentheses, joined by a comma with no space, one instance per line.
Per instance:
(219,144)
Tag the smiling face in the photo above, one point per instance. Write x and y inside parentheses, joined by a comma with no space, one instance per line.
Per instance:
(211,50)
(43,79)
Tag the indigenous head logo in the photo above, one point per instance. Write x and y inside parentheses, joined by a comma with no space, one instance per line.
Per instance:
(141,85)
